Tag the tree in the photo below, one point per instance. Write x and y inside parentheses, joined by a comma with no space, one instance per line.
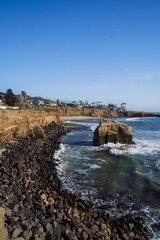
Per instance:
(57,102)
(123,106)
(23,93)
(11,98)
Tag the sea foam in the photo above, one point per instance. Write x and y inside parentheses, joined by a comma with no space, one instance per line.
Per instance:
(142,147)
(134,119)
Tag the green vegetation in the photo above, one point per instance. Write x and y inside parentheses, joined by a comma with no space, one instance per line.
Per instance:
(45,109)
(11,99)
(88,114)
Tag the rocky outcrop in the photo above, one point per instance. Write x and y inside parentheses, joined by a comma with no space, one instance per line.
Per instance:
(112,131)
(25,123)
(140,114)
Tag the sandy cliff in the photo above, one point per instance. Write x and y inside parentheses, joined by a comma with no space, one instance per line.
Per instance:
(69,111)
(25,123)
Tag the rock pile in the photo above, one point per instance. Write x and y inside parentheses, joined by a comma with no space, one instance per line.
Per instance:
(36,207)
(112,131)
(3,230)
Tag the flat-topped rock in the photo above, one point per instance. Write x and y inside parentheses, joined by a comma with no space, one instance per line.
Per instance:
(112,131)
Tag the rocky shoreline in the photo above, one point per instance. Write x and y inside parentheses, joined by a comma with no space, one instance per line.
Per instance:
(36,206)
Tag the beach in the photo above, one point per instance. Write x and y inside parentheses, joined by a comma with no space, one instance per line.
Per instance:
(65,118)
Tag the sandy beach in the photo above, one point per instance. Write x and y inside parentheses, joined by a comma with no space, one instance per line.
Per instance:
(78,117)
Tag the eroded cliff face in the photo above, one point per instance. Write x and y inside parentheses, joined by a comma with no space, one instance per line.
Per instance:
(69,111)
(25,123)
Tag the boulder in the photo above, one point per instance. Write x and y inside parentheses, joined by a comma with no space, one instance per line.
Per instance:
(112,131)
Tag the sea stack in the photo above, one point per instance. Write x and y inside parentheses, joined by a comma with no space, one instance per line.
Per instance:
(113,132)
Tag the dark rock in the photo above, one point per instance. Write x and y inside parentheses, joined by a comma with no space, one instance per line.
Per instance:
(49,228)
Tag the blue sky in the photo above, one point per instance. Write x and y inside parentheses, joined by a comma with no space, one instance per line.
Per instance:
(95,50)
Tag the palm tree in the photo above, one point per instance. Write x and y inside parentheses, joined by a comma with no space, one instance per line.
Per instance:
(23,93)
(123,106)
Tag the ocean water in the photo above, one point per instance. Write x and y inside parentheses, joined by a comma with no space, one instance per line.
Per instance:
(124,178)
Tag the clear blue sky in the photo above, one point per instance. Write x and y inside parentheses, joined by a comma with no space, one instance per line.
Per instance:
(95,50)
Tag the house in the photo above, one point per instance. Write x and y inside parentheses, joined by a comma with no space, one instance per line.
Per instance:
(2,96)
(49,103)
(80,105)
(1,102)
(53,104)
(112,107)
(38,101)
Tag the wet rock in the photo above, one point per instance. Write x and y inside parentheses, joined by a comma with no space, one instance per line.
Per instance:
(111,218)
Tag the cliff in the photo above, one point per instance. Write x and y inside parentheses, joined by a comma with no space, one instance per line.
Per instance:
(25,123)
(70,111)
(15,123)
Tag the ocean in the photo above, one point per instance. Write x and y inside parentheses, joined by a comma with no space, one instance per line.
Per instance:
(125,179)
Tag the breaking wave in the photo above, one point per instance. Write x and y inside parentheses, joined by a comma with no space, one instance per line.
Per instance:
(142,147)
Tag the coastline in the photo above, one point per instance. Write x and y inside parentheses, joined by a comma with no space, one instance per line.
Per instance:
(28,165)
